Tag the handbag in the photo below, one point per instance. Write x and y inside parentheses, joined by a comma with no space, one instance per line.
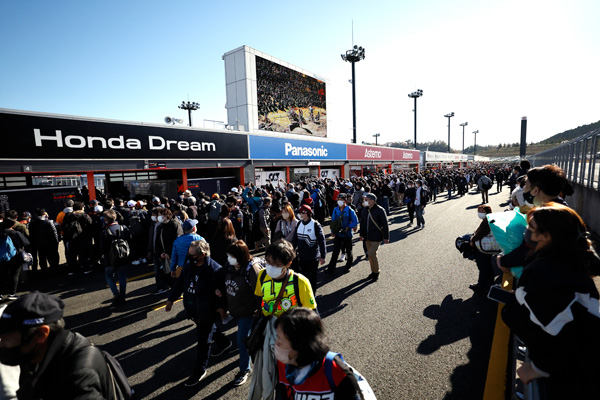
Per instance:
(256,339)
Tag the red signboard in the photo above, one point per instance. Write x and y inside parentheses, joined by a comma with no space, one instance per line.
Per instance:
(406,155)
(370,153)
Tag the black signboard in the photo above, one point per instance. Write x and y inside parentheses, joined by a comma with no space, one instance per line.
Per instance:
(50,198)
(53,138)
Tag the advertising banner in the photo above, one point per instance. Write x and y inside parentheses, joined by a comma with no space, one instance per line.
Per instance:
(406,155)
(329,173)
(53,138)
(370,153)
(274,148)
(275,177)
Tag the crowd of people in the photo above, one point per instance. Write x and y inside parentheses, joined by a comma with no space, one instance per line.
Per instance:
(205,249)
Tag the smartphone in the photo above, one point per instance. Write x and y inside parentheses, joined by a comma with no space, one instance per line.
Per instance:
(500,295)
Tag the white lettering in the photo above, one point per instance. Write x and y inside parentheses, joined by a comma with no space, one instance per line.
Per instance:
(69,142)
(116,143)
(406,155)
(195,146)
(207,146)
(151,140)
(38,138)
(372,153)
(134,144)
(183,146)
(91,139)
(306,151)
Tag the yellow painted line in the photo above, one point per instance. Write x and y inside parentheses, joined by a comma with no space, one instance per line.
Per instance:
(495,382)
(163,305)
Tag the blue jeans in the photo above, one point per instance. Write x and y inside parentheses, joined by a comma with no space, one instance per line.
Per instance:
(112,274)
(244,326)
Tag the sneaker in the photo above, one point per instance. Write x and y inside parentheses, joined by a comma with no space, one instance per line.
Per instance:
(409,224)
(87,271)
(136,262)
(242,377)
(366,256)
(195,378)
(12,297)
(219,348)
(118,300)
(160,291)
(374,276)
(71,273)
(342,258)
(144,261)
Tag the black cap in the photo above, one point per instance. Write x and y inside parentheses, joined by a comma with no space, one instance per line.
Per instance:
(33,309)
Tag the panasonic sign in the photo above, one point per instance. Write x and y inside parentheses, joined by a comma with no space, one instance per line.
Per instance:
(305,151)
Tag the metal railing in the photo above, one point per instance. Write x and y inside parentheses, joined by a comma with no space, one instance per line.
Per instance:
(579,158)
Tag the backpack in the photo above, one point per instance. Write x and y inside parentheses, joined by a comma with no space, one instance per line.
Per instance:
(119,248)
(215,210)
(262,265)
(120,385)
(338,223)
(424,196)
(256,232)
(72,230)
(366,392)
(7,248)
(247,223)
(135,224)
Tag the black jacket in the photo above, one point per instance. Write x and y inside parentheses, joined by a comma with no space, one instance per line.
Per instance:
(166,235)
(42,233)
(368,230)
(71,369)
(86,226)
(198,285)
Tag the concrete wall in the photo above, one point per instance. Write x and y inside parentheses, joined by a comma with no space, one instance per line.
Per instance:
(587,204)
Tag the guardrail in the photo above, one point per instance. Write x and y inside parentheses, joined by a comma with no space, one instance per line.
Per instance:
(579,158)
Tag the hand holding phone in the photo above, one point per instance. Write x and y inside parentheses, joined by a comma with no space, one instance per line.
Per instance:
(500,295)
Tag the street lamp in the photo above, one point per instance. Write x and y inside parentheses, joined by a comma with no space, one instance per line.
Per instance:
(463,125)
(353,56)
(449,116)
(416,95)
(376,136)
(475,144)
(189,107)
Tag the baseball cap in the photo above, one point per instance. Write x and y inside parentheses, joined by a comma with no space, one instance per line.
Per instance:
(189,224)
(234,190)
(305,210)
(349,184)
(131,203)
(187,192)
(33,309)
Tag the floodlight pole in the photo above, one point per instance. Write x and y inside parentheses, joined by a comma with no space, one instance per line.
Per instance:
(475,144)
(193,106)
(353,56)
(416,95)
(376,136)
(449,116)
(463,125)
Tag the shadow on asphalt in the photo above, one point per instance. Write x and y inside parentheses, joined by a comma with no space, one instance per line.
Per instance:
(457,319)
(333,302)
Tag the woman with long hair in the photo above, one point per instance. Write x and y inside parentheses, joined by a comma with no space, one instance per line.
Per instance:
(555,311)
(224,236)
(286,226)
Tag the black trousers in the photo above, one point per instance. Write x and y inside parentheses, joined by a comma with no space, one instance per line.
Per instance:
(338,243)
(206,333)
(10,271)
(309,269)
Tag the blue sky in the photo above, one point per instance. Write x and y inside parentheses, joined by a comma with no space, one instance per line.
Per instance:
(490,62)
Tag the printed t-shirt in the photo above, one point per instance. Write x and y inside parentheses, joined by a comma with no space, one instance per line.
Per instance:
(269,290)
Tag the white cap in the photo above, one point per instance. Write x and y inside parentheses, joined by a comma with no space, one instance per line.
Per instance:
(234,190)
(349,184)
(131,203)
(188,192)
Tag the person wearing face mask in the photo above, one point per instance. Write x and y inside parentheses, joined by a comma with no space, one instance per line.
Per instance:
(373,230)
(309,240)
(346,219)
(55,362)
(286,226)
(200,280)
(555,309)
(301,353)
(167,229)
(544,184)
(483,240)
(240,282)
(276,281)
(409,199)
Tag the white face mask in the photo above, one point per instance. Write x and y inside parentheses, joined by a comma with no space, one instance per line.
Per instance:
(98,209)
(410,186)
(161,219)
(285,215)
(341,203)
(481,215)
(154,218)
(366,203)
(232,260)
(274,272)
(282,355)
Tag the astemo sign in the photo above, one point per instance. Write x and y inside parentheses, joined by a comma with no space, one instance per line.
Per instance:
(369,153)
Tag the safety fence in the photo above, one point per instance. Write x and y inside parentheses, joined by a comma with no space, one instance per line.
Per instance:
(579,158)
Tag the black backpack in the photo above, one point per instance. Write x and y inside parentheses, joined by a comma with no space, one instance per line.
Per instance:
(72,230)
(135,223)
(118,254)
(248,223)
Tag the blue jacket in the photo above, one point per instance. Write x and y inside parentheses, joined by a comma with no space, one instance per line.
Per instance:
(349,220)
(181,247)
(254,202)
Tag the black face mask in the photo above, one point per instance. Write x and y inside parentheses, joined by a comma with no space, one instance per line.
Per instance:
(528,197)
(528,240)
(10,355)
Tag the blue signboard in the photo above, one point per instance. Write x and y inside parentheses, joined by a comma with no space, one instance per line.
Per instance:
(275,148)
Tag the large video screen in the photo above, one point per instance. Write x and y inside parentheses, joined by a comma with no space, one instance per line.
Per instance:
(289,101)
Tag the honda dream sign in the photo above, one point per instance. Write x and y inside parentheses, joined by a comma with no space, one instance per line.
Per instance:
(50,138)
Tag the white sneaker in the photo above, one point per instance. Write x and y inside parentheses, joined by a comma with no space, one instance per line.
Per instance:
(343,257)
(144,261)
(136,262)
